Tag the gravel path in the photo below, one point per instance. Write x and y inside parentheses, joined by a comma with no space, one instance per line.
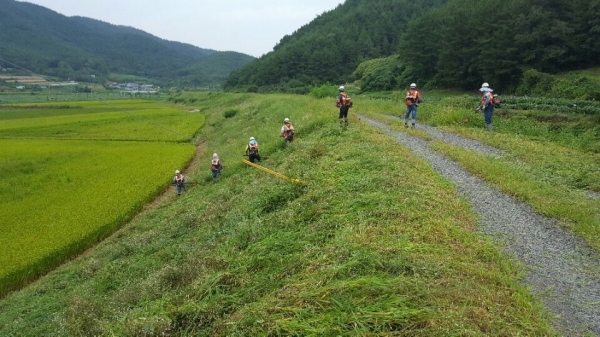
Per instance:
(457,140)
(560,269)
(473,145)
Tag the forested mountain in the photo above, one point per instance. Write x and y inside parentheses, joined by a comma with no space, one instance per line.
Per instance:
(437,43)
(45,42)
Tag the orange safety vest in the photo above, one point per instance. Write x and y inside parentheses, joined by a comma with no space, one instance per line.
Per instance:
(412,97)
(342,100)
(288,129)
(253,148)
(215,165)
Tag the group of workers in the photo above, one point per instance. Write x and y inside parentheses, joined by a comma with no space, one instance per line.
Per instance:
(413,99)
(344,103)
(287,132)
(488,101)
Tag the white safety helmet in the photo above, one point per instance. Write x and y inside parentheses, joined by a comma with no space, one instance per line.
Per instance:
(251,138)
(177,172)
(287,120)
(215,155)
(413,85)
(341,88)
(485,87)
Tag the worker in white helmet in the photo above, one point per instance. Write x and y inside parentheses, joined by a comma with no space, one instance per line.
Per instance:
(215,167)
(487,104)
(287,131)
(344,103)
(412,99)
(179,182)
(252,150)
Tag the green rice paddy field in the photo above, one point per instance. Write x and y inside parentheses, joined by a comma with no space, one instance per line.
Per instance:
(73,173)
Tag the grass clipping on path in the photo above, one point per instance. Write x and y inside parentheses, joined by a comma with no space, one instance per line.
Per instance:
(375,244)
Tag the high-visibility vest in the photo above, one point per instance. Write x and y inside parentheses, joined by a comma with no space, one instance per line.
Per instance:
(287,129)
(412,97)
(253,147)
(215,165)
(342,100)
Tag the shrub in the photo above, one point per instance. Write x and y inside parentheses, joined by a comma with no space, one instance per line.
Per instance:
(230,113)
(325,90)
(379,74)
(580,87)
(536,83)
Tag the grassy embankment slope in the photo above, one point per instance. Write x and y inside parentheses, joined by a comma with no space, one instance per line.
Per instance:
(375,242)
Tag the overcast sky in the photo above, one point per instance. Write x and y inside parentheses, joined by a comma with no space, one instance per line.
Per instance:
(251,27)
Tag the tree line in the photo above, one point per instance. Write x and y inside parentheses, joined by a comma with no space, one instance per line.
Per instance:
(454,44)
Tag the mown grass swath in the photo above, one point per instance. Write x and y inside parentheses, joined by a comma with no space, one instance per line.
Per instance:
(376,243)
(61,196)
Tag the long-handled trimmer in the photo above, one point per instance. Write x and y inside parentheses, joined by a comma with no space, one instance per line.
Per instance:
(277,174)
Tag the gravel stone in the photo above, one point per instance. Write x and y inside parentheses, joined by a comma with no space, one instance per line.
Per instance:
(560,269)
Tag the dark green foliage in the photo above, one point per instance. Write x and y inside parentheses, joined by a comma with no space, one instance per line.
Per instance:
(578,88)
(572,87)
(563,105)
(381,74)
(536,83)
(230,113)
(331,47)
(469,42)
(45,42)
(457,44)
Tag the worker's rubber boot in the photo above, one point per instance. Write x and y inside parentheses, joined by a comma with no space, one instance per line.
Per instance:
(488,127)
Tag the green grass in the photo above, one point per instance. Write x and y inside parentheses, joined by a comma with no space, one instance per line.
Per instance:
(593,73)
(548,171)
(375,243)
(561,149)
(573,208)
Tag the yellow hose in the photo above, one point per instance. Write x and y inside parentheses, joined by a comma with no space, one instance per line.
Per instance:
(277,174)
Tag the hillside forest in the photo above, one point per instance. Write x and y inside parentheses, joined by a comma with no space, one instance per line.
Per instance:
(450,44)
(37,40)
